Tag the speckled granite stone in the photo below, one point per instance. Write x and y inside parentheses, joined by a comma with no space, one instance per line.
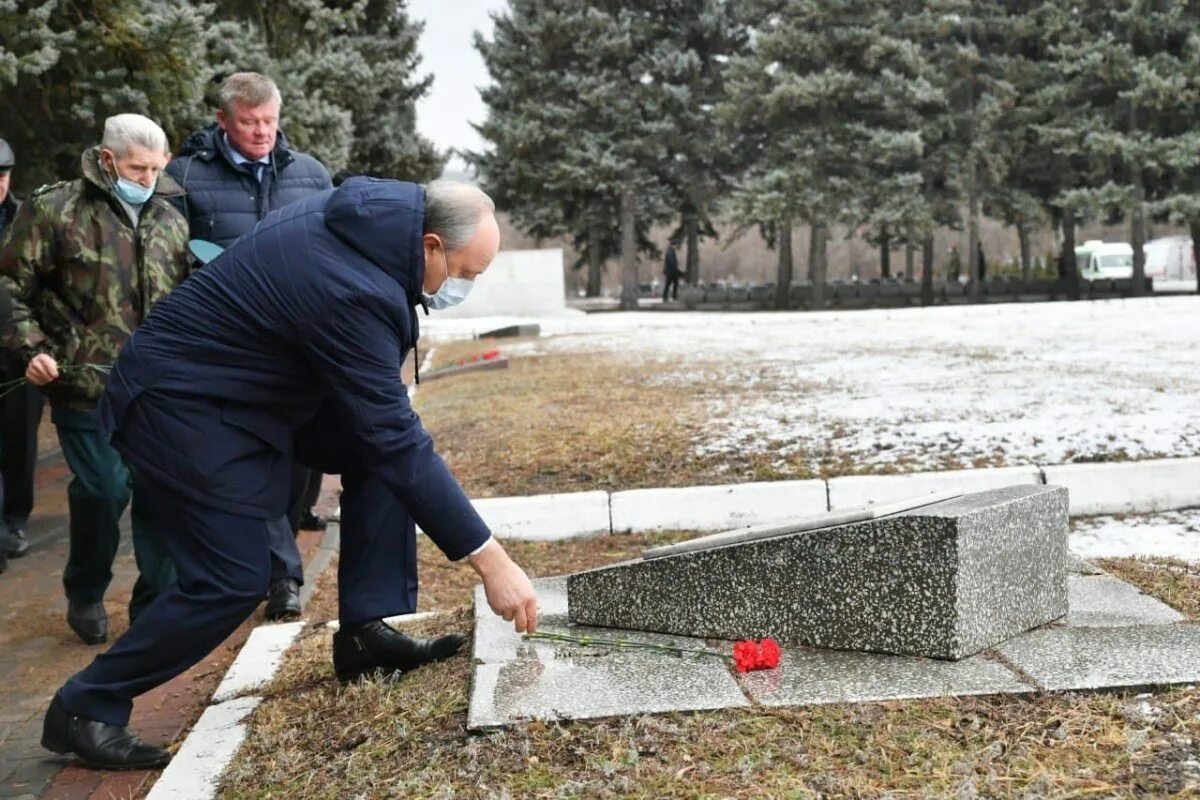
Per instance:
(944,581)
(1106,658)
(1102,601)
(807,676)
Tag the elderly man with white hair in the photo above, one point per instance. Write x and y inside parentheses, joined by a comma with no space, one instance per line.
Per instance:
(85,262)
(289,345)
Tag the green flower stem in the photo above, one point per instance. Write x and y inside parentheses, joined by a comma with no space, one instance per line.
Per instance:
(8,387)
(622,644)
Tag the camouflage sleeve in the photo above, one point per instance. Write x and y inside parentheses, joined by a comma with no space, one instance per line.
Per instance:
(26,258)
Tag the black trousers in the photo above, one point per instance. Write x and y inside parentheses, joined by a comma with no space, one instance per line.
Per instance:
(20,415)
(223,563)
(671,287)
(306,488)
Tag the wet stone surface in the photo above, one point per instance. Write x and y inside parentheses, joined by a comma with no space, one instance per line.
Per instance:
(807,676)
(1060,659)
(516,679)
(944,581)
(1102,601)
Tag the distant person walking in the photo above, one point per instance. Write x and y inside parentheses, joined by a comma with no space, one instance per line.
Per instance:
(85,262)
(20,408)
(235,171)
(672,273)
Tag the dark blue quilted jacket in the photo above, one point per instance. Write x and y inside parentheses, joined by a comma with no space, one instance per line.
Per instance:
(223,199)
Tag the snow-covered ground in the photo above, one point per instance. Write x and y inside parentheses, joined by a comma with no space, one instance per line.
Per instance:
(915,389)
(1173,534)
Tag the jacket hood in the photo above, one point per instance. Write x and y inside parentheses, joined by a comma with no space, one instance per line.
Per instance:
(206,145)
(383,220)
(94,173)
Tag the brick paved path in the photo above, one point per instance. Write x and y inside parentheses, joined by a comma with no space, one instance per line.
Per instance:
(38,652)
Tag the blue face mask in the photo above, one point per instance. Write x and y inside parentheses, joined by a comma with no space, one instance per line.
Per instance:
(132,192)
(452,292)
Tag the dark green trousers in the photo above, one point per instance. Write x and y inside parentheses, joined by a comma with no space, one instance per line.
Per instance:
(101,488)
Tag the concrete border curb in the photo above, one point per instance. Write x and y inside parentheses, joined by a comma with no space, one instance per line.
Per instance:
(1138,487)
(1129,486)
(706,508)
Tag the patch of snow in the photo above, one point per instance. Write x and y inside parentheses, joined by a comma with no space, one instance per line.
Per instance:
(1004,384)
(1171,534)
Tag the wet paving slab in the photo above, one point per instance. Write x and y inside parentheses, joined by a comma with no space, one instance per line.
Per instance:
(1113,636)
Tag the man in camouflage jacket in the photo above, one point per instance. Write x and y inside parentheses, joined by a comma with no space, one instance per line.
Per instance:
(85,262)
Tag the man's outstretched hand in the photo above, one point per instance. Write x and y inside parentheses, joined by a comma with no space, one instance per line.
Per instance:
(508,590)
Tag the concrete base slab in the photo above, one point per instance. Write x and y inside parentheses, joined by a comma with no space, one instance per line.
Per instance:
(808,676)
(1060,659)
(1102,601)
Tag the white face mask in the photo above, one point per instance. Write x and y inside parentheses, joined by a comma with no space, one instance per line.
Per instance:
(452,292)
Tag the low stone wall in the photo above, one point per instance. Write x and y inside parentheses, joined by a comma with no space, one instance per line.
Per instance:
(898,294)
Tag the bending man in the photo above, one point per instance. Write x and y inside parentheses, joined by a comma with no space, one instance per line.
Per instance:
(295,333)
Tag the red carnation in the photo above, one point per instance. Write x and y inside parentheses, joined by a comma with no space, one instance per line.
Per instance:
(745,655)
(769,654)
(751,655)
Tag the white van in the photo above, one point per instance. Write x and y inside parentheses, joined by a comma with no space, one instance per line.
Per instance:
(1107,260)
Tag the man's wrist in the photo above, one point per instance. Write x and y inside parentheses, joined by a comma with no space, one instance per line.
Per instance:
(487,557)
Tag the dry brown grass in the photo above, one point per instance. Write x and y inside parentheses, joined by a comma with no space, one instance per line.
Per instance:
(313,738)
(559,423)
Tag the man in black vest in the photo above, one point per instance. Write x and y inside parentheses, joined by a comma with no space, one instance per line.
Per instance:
(20,410)
(234,171)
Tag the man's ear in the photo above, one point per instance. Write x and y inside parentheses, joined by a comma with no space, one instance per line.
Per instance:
(221,118)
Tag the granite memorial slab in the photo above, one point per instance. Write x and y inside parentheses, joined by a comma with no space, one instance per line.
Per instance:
(515,679)
(944,581)
(808,676)
(1061,659)
(1102,601)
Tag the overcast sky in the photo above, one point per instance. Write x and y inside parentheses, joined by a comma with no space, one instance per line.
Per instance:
(445,114)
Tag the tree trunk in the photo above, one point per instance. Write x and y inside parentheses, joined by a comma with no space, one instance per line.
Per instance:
(1194,227)
(909,257)
(973,232)
(595,259)
(629,261)
(818,266)
(1137,232)
(812,253)
(1068,270)
(1023,243)
(885,253)
(692,231)
(927,271)
(783,280)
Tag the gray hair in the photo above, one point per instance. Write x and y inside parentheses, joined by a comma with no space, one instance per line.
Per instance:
(125,130)
(249,88)
(454,210)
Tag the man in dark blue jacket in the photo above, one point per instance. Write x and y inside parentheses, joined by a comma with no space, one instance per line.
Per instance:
(208,397)
(234,172)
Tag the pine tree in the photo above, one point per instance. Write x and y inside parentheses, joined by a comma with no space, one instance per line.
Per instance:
(66,66)
(828,101)
(581,111)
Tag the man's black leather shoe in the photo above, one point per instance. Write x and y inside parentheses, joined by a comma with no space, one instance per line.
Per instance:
(17,545)
(371,648)
(89,621)
(98,744)
(283,599)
